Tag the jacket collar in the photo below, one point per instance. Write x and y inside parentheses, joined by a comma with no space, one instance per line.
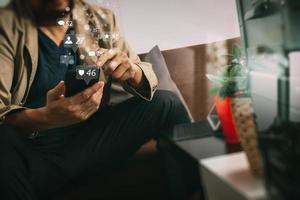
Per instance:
(28,27)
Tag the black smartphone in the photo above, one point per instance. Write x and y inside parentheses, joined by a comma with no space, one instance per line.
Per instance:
(80,78)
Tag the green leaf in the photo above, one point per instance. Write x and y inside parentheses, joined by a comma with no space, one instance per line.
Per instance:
(214,91)
(237,54)
(226,66)
(234,71)
(232,78)
(228,55)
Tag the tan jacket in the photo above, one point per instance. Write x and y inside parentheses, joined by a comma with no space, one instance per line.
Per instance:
(19,52)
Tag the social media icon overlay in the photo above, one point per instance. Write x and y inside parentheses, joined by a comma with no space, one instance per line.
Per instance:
(69,40)
(87,73)
(67,60)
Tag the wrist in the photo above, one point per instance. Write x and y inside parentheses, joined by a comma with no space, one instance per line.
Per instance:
(29,120)
(42,116)
(137,80)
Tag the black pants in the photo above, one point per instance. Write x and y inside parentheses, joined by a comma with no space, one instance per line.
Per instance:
(33,169)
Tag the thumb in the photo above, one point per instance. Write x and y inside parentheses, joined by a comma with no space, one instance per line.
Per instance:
(101,85)
(57,91)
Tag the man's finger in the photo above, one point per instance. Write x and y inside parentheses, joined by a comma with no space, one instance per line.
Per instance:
(88,112)
(98,94)
(120,58)
(98,97)
(87,93)
(127,75)
(92,105)
(93,101)
(118,73)
(101,51)
(95,98)
(60,88)
(57,91)
(103,58)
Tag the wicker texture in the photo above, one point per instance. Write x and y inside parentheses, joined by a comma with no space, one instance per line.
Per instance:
(245,126)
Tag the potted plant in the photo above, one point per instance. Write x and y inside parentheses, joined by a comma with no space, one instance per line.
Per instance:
(233,105)
(230,82)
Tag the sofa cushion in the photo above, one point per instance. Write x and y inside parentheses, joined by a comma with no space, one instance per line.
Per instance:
(160,68)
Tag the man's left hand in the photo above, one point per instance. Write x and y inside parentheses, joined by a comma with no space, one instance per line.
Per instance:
(118,65)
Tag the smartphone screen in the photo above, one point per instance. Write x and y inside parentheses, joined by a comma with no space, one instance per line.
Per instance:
(80,78)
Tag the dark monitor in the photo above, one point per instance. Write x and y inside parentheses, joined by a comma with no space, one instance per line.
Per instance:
(270,31)
(270,23)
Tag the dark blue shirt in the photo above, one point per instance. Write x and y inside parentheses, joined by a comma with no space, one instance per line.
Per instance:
(51,69)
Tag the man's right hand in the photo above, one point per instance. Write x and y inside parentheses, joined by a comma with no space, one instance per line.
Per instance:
(63,111)
(59,111)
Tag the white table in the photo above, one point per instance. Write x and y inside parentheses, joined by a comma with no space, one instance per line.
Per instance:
(228,177)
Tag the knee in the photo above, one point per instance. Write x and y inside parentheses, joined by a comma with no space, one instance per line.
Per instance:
(166,98)
(171,104)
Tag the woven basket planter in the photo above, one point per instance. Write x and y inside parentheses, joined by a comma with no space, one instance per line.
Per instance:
(244,121)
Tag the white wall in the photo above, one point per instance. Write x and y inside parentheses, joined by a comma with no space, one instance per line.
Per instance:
(177,23)
(3,2)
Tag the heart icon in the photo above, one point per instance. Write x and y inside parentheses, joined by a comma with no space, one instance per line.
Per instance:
(81,72)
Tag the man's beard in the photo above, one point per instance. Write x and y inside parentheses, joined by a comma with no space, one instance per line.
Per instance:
(45,15)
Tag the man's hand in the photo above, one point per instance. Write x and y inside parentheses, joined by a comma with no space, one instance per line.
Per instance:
(61,111)
(117,64)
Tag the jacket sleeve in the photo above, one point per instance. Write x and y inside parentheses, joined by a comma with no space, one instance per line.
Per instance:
(151,80)
(7,53)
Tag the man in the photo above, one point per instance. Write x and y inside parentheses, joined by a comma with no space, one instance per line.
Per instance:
(48,140)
